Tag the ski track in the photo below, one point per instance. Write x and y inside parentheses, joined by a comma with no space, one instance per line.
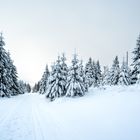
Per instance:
(37,129)
(27,119)
(17,125)
(48,127)
(7,114)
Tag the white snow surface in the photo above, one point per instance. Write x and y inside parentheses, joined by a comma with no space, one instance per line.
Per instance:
(111,114)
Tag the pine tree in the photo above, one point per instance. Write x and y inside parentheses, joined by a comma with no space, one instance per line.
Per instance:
(36,87)
(28,88)
(98,75)
(124,77)
(24,87)
(115,72)
(89,74)
(4,86)
(136,62)
(138,79)
(44,81)
(8,74)
(106,76)
(94,74)
(55,89)
(64,74)
(21,85)
(14,78)
(75,85)
(82,72)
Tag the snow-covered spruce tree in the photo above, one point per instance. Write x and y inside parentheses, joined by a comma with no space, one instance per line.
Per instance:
(15,90)
(98,75)
(55,89)
(21,86)
(36,87)
(75,85)
(138,80)
(64,74)
(136,63)
(115,72)
(124,77)
(4,68)
(8,73)
(106,76)
(24,87)
(44,81)
(94,74)
(82,72)
(89,74)
(28,88)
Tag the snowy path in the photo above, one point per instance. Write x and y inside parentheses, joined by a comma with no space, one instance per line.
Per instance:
(102,115)
(18,121)
(24,119)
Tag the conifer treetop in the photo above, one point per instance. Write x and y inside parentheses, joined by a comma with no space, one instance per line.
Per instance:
(63,58)
(2,43)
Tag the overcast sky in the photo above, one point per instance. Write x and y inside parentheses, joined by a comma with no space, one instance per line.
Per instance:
(36,31)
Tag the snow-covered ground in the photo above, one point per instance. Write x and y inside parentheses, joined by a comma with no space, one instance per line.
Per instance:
(111,114)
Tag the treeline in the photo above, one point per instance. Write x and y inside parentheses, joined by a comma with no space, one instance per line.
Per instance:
(9,83)
(67,81)
(77,79)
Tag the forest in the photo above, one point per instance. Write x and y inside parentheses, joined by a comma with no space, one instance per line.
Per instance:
(70,81)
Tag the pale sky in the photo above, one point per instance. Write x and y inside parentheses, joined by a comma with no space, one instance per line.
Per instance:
(36,31)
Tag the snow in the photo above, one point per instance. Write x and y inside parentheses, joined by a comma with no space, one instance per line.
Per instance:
(111,114)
